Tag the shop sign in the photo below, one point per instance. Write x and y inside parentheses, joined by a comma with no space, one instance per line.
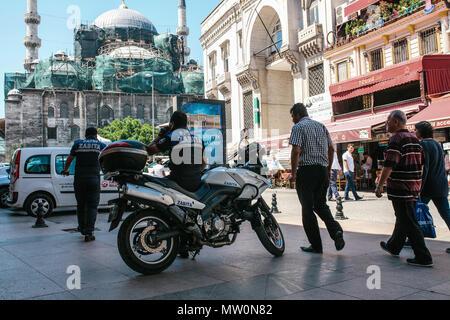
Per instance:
(361,150)
(319,107)
(446,146)
(364,134)
(383,136)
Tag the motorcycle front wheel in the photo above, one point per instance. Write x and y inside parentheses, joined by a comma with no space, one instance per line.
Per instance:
(268,230)
(138,246)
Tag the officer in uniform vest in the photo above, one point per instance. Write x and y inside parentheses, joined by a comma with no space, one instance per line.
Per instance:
(87,180)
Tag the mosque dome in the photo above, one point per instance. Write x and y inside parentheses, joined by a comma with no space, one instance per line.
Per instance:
(131,52)
(124,18)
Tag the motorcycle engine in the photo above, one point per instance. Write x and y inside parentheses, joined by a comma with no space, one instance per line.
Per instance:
(217,227)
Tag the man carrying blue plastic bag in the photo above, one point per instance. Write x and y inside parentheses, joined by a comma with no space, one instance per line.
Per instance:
(403,172)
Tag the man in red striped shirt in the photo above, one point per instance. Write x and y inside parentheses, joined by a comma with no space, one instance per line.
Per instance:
(403,171)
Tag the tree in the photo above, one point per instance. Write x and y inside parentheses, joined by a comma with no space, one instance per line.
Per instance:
(128,129)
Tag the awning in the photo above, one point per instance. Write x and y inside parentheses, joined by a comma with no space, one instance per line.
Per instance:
(437,74)
(358,5)
(359,128)
(437,113)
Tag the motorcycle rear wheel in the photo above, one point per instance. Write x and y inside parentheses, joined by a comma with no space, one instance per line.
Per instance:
(268,231)
(145,223)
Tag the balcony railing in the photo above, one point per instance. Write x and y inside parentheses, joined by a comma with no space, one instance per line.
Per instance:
(390,13)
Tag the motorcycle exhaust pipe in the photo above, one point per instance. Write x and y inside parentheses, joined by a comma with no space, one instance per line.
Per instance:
(145,193)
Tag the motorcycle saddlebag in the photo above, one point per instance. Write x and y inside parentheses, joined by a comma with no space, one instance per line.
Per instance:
(124,156)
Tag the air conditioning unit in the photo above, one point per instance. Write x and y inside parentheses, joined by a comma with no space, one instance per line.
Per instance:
(340,17)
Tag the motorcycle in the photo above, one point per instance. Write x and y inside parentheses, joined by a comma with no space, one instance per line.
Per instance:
(149,239)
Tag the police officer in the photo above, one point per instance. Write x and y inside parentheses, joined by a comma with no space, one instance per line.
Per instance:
(186,157)
(185,152)
(87,180)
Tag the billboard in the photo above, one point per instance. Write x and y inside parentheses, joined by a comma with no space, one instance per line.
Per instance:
(206,119)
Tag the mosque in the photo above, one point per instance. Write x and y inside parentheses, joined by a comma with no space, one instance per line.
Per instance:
(121,67)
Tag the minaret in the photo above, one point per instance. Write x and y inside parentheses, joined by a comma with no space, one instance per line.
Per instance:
(183,30)
(32,41)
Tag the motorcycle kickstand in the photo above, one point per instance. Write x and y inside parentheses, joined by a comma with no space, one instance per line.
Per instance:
(196,253)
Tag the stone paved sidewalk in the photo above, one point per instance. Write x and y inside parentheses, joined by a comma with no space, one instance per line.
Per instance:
(33,264)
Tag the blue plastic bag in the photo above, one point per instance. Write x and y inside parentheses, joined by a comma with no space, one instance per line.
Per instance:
(425,220)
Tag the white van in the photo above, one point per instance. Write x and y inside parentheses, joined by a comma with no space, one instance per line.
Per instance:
(36,178)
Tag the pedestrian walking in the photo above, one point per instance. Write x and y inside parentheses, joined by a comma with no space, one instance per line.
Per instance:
(402,170)
(335,168)
(349,173)
(311,159)
(86,181)
(434,178)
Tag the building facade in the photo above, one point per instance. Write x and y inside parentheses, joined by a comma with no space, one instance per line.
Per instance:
(252,62)
(386,56)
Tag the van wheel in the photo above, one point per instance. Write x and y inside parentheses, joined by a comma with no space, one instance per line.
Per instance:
(4,198)
(33,202)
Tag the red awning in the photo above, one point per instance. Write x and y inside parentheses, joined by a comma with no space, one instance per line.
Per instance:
(359,128)
(358,5)
(437,113)
(437,74)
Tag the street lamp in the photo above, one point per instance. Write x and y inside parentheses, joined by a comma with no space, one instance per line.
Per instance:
(148,75)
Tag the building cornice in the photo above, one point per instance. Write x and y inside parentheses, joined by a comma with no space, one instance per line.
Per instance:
(221,26)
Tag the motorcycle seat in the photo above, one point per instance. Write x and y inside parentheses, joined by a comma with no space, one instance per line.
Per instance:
(197,195)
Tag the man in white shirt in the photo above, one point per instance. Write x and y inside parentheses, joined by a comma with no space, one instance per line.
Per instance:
(349,172)
(158,170)
(335,168)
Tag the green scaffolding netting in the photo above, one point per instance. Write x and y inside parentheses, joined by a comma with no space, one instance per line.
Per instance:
(64,74)
(110,74)
(168,44)
(14,80)
(193,82)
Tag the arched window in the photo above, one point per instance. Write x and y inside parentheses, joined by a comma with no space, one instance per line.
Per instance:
(106,116)
(76,113)
(313,12)
(64,111)
(75,132)
(140,114)
(277,37)
(51,112)
(126,111)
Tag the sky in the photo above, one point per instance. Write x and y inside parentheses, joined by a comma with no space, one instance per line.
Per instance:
(56,35)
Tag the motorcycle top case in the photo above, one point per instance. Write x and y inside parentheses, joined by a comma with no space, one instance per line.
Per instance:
(124,156)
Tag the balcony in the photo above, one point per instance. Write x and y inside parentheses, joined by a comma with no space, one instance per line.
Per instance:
(224,83)
(385,14)
(285,60)
(211,89)
(310,40)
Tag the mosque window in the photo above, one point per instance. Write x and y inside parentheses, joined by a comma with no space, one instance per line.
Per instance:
(51,133)
(76,113)
(106,116)
(126,111)
(51,112)
(140,113)
(64,111)
(277,37)
(75,133)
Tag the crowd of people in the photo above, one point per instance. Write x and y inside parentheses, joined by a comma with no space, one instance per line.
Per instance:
(414,167)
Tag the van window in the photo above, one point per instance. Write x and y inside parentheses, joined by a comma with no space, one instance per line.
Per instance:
(60,163)
(38,164)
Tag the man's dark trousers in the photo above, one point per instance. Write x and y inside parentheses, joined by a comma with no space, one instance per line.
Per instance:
(406,226)
(312,185)
(87,193)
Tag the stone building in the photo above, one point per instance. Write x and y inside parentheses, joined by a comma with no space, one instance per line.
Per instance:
(122,68)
